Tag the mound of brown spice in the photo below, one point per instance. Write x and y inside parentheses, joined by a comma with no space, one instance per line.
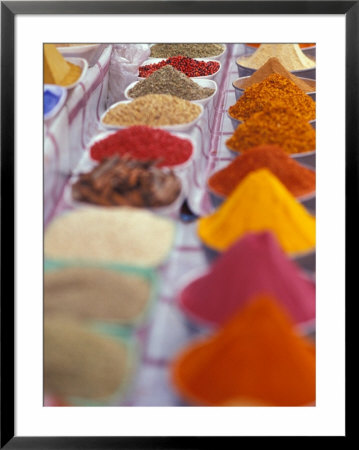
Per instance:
(127,182)
(190,50)
(96,293)
(274,87)
(81,363)
(170,81)
(153,110)
(277,124)
(273,65)
(299,180)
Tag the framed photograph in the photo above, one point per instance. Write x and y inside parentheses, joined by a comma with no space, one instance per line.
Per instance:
(162,286)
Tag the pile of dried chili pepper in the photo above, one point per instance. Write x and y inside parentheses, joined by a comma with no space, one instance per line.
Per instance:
(191,67)
(143,143)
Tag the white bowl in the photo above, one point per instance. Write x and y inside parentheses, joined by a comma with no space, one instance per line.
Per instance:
(208,77)
(84,66)
(60,92)
(179,127)
(170,210)
(202,83)
(90,163)
(310,51)
(90,52)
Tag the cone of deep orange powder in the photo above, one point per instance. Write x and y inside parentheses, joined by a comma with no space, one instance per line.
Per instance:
(299,180)
(257,355)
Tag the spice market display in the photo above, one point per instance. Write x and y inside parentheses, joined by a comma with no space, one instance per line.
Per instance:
(179,224)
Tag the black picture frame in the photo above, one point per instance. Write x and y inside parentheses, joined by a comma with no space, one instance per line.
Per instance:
(8,12)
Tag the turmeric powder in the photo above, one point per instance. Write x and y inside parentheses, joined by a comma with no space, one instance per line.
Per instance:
(57,70)
(277,124)
(255,359)
(274,87)
(260,202)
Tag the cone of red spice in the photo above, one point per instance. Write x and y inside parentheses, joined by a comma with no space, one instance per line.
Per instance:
(299,180)
(144,143)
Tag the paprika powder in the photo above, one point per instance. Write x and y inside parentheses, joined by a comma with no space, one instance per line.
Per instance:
(299,180)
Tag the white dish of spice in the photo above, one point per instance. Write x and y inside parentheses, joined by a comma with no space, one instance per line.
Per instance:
(90,52)
(82,63)
(203,83)
(87,163)
(218,56)
(207,60)
(186,126)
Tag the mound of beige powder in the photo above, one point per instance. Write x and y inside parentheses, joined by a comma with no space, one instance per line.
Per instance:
(81,363)
(121,235)
(289,55)
(96,294)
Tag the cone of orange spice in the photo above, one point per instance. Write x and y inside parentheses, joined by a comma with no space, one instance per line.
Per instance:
(299,180)
(275,86)
(277,124)
(256,357)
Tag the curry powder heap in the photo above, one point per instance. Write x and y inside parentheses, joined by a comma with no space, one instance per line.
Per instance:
(274,87)
(277,124)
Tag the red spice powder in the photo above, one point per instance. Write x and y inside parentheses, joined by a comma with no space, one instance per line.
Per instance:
(189,66)
(299,180)
(253,265)
(143,143)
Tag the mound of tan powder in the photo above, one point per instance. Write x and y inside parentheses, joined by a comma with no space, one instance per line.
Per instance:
(289,55)
(122,235)
(95,294)
(80,363)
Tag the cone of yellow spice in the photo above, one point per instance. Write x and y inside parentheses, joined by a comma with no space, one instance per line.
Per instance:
(57,70)
(260,202)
